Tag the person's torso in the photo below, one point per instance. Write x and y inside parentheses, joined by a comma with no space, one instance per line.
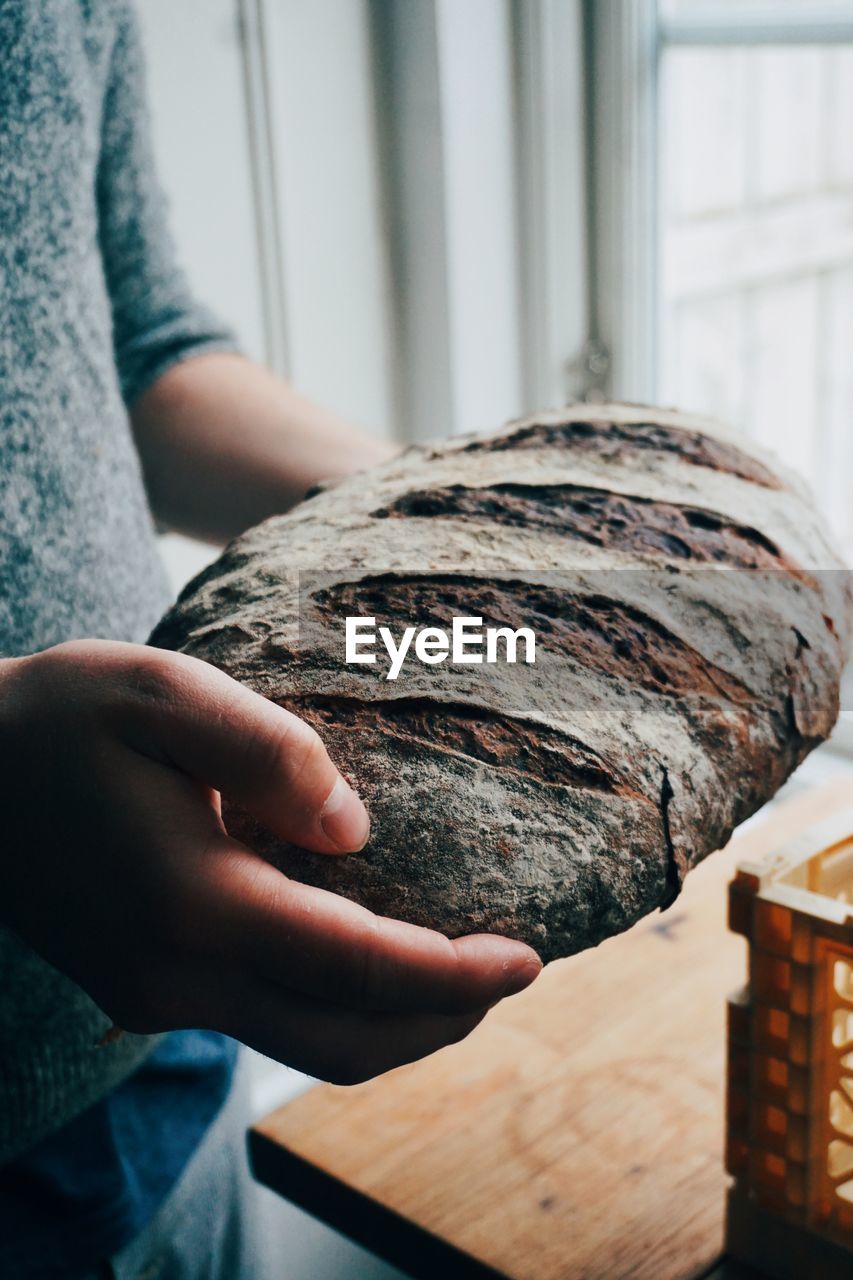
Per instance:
(78,558)
(78,553)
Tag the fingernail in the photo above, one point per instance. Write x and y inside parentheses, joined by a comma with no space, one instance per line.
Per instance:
(522,977)
(344,818)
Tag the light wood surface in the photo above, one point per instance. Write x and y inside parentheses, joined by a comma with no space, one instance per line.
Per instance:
(577,1133)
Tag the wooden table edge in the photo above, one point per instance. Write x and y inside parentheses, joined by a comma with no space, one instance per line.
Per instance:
(388,1235)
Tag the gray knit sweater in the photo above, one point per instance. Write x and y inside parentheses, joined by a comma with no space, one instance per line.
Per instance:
(92,311)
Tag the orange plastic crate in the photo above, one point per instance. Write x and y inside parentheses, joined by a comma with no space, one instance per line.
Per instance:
(790,1059)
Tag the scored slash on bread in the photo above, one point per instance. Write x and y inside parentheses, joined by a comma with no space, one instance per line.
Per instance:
(559,802)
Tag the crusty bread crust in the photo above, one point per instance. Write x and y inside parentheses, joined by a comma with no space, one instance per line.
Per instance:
(559,802)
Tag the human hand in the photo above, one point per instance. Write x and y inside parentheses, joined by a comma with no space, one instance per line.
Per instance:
(117,868)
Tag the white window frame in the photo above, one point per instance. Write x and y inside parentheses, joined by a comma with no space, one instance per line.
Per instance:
(621,38)
(625,40)
(468,355)
(483,202)
(550,87)
(254,51)
(758,24)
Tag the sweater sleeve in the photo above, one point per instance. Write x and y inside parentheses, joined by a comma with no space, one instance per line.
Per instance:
(156,320)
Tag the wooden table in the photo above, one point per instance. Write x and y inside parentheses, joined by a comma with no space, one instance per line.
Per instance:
(578,1133)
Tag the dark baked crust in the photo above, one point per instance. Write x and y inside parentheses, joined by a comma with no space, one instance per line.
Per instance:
(557,803)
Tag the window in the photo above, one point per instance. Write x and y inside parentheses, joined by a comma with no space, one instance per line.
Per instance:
(745,235)
(756,224)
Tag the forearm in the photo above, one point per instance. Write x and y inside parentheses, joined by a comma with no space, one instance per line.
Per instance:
(224,444)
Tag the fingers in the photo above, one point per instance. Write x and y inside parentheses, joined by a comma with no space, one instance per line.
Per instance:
(324,946)
(217,937)
(339,1045)
(261,756)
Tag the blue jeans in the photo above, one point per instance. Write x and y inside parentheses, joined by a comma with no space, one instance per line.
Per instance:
(212,1224)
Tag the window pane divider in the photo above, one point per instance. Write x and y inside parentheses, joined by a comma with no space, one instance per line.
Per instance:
(621,57)
(262,156)
(756,25)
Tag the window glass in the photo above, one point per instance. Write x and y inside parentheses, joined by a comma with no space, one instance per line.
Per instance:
(756,249)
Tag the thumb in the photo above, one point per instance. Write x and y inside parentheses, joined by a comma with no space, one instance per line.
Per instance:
(257,754)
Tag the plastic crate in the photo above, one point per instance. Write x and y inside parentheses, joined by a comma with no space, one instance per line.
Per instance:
(789,1116)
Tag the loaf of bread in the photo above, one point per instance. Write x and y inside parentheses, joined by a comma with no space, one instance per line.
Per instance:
(691,622)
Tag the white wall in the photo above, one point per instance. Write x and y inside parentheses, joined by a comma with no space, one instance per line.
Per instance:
(329,201)
(199,119)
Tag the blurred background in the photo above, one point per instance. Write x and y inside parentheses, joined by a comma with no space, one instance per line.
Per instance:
(433,215)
